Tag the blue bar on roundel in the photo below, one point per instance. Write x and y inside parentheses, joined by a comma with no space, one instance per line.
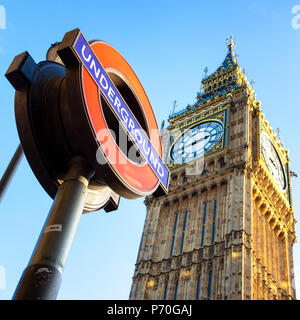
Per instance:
(120,108)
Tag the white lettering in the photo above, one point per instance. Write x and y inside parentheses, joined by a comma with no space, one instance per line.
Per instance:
(120,310)
(93,65)
(118,104)
(131,125)
(138,136)
(153,159)
(124,115)
(111,94)
(104,84)
(84,57)
(160,170)
(144,148)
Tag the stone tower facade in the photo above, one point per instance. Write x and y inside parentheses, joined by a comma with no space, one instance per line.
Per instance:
(226,228)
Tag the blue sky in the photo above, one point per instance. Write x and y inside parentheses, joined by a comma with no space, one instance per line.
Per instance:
(168,44)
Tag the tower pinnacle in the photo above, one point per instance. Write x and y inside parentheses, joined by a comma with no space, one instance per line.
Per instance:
(231,42)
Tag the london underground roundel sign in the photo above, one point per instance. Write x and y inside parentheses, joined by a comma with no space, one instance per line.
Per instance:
(117,108)
(85,100)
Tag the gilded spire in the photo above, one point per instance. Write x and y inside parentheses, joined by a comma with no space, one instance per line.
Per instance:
(230,60)
(230,43)
(227,78)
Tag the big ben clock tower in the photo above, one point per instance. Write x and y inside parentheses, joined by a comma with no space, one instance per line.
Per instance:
(226,229)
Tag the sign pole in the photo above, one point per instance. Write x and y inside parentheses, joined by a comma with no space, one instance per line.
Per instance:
(42,277)
(10,171)
(58,112)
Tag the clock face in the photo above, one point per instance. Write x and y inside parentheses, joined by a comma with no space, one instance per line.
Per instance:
(196,141)
(272,160)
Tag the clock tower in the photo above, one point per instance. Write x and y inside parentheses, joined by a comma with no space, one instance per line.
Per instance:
(226,229)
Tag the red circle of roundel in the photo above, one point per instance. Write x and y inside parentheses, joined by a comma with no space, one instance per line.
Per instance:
(139,178)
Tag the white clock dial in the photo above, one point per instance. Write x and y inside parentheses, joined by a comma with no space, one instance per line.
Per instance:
(272,160)
(196,141)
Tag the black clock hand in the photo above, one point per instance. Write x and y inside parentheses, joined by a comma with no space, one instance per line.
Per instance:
(272,161)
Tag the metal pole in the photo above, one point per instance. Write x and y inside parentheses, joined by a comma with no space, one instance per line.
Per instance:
(10,171)
(42,277)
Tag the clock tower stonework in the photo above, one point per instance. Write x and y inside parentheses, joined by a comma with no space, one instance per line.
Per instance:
(226,229)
